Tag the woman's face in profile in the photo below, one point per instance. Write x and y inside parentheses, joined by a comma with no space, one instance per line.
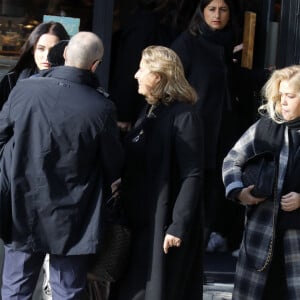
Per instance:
(41,49)
(289,100)
(216,14)
(147,80)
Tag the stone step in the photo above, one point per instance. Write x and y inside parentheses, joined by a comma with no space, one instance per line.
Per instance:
(217,291)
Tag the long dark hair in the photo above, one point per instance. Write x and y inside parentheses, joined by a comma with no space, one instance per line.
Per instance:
(198,18)
(26,59)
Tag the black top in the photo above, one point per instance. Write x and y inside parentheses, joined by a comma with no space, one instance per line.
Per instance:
(291,220)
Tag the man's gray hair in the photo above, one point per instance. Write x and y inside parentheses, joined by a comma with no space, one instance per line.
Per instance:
(83,50)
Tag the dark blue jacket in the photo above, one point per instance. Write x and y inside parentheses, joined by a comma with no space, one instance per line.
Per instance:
(60,152)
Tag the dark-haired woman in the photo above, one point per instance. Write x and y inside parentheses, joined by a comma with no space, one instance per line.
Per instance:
(33,57)
(206,50)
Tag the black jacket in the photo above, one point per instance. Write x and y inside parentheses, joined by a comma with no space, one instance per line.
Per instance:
(9,81)
(60,153)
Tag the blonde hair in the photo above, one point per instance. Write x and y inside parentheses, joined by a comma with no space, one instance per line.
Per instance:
(271,95)
(172,85)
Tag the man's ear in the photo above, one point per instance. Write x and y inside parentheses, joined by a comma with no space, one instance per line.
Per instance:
(94,66)
(65,51)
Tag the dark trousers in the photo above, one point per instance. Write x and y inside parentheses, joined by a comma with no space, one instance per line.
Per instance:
(21,271)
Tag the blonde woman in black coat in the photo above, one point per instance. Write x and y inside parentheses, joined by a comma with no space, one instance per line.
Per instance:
(162,186)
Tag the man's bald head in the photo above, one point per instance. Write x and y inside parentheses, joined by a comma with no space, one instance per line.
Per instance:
(84,50)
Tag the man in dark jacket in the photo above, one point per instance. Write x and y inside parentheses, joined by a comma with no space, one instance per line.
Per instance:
(60,153)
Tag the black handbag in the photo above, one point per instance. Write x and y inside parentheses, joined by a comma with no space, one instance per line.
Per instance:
(110,263)
(260,170)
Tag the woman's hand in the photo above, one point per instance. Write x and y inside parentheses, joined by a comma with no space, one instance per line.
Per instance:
(290,201)
(171,241)
(124,126)
(115,186)
(247,198)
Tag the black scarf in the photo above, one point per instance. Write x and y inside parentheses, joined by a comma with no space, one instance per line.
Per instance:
(288,220)
(269,136)
(222,37)
(293,169)
(293,124)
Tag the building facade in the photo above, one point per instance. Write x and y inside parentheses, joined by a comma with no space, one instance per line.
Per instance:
(277,35)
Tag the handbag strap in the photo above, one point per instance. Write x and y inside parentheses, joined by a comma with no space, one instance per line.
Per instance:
(271,245)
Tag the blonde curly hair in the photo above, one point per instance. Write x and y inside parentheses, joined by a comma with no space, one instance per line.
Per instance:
(271,97)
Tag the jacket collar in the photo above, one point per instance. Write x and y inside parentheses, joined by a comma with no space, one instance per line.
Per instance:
(72,74)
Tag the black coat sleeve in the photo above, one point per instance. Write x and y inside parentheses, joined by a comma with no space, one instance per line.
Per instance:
(111,148)
(189,158)
(5,88)
(6,126)
(182,47)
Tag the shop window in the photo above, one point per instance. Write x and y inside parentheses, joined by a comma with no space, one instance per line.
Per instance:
(19,17)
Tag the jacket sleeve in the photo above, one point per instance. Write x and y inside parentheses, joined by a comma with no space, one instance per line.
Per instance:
(6,126)
(188,152)
(236,157)
(5,88)
(111,147)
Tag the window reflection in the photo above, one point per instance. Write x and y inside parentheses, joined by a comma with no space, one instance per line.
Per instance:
(19,17)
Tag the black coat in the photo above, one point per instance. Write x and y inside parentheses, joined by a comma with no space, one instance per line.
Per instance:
(162,187)
(60,153)
(209,71)
(225,92)
(9,81)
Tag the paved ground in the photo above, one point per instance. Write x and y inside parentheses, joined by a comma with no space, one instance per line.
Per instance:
(217,291)
(219,269)
(219,272)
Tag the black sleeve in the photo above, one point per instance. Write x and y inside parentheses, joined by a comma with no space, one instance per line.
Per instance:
(111,148)
(233,195)
(181,46)
(6,126)
(6,85)
(189,156)
(4,90)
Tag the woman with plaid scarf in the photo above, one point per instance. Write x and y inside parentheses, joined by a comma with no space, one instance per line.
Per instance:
(268,266)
